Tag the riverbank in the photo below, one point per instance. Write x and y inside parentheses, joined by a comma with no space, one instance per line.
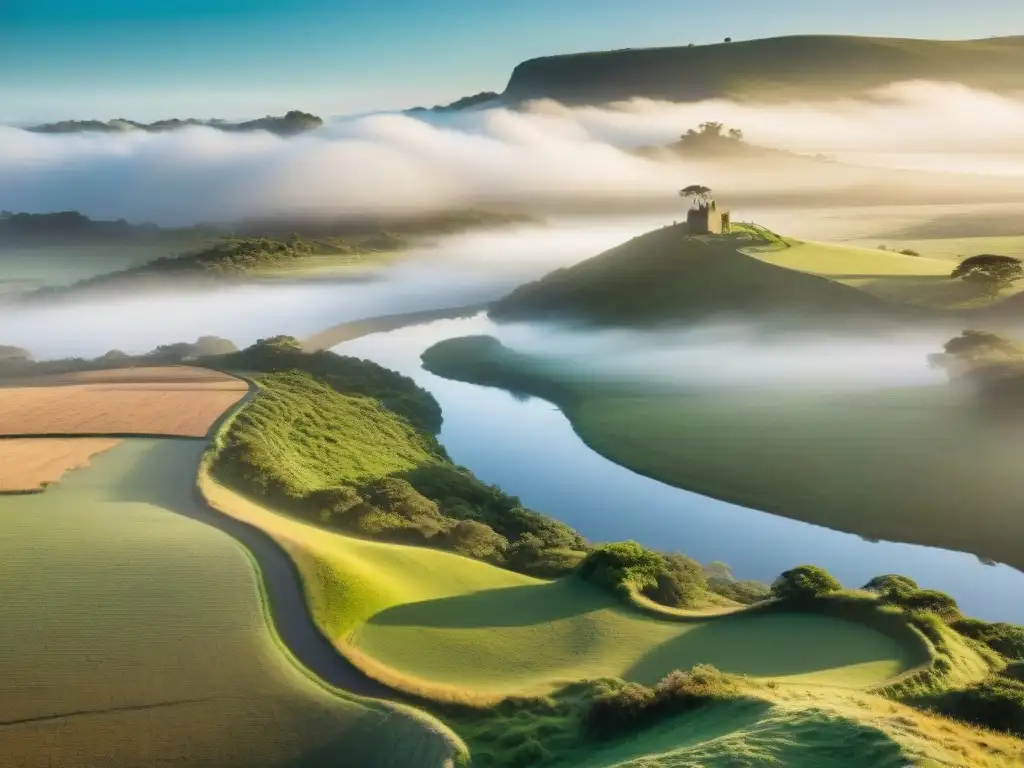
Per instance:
(894,468)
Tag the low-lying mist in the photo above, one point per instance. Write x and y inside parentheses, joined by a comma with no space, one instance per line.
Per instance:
(459,270)
(737,355)
(536,158)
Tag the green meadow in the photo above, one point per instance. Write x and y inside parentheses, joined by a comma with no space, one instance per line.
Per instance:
(135,636)
(441,622)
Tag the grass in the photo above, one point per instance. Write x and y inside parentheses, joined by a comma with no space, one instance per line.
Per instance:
(899,464)
(669,276)
(443,625)
(176,400)
(134,635)
(895,277)
(309,437)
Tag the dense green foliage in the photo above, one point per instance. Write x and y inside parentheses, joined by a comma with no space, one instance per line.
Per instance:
(805,582)
(351,445)
(1005,639)
(349,375)
(673,579)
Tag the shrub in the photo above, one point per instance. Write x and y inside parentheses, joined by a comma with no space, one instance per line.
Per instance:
(623,565)
(629,705)
(930,600)
(1005,639)
(479,540)
(805,582)
(909,252)
(881,584)
(680,584)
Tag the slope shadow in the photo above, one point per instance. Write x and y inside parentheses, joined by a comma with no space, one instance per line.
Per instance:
(504,607)
(769,645)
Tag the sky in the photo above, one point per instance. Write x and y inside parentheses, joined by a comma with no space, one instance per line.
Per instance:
(151,59)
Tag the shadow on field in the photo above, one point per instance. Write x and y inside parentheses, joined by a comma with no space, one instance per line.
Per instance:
(165,475)
(772,645)
(505,607)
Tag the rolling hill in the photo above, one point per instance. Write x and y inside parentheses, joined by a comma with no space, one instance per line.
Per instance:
(668,276)
(770,69)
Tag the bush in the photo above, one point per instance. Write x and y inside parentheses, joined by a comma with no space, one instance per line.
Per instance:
(621,706)
(930,600)
(479,540)
(1005,639)
(805,582)
(889,581)
(623,565)
(680,584)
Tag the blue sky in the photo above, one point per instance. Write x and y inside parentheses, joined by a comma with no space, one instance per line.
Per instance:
(148,59)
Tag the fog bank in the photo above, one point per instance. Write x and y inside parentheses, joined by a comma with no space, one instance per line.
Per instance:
(536,157)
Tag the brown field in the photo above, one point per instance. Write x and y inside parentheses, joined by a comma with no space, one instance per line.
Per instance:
(30,464)
(173,400)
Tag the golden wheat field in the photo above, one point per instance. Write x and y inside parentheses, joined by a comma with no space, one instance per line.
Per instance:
(30,464)
(174,400)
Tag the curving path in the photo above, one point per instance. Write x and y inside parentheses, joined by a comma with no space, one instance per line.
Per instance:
(283,590)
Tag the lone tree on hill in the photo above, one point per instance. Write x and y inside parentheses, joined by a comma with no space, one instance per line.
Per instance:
(696,194)
(988,269)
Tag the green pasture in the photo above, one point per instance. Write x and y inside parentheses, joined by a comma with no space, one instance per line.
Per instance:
(132,635)
(437,617)
(895,277)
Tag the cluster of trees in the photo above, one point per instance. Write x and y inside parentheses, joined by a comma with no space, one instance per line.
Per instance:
(444,506)
(17,362)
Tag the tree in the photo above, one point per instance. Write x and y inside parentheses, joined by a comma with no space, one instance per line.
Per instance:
(889,581)
(992,271)
(696,193)
(728,39)
(805,582)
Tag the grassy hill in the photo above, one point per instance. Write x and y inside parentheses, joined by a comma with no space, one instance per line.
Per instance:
(134,636)
(452,628)
(771,69)
(668,276)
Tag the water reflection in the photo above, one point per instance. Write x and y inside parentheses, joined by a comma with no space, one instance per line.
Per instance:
(529,449)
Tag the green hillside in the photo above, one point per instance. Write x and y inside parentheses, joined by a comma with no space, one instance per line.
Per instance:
(134,636)
(771,69)
(668,275)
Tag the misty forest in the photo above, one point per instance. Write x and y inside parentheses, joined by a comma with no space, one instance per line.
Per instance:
(664,409)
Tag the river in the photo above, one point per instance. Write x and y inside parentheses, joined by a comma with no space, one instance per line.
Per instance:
(528,448)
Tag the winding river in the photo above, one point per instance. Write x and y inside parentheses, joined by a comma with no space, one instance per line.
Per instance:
(529,448)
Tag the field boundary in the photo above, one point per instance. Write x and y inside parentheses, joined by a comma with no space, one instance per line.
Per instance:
(373,694)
